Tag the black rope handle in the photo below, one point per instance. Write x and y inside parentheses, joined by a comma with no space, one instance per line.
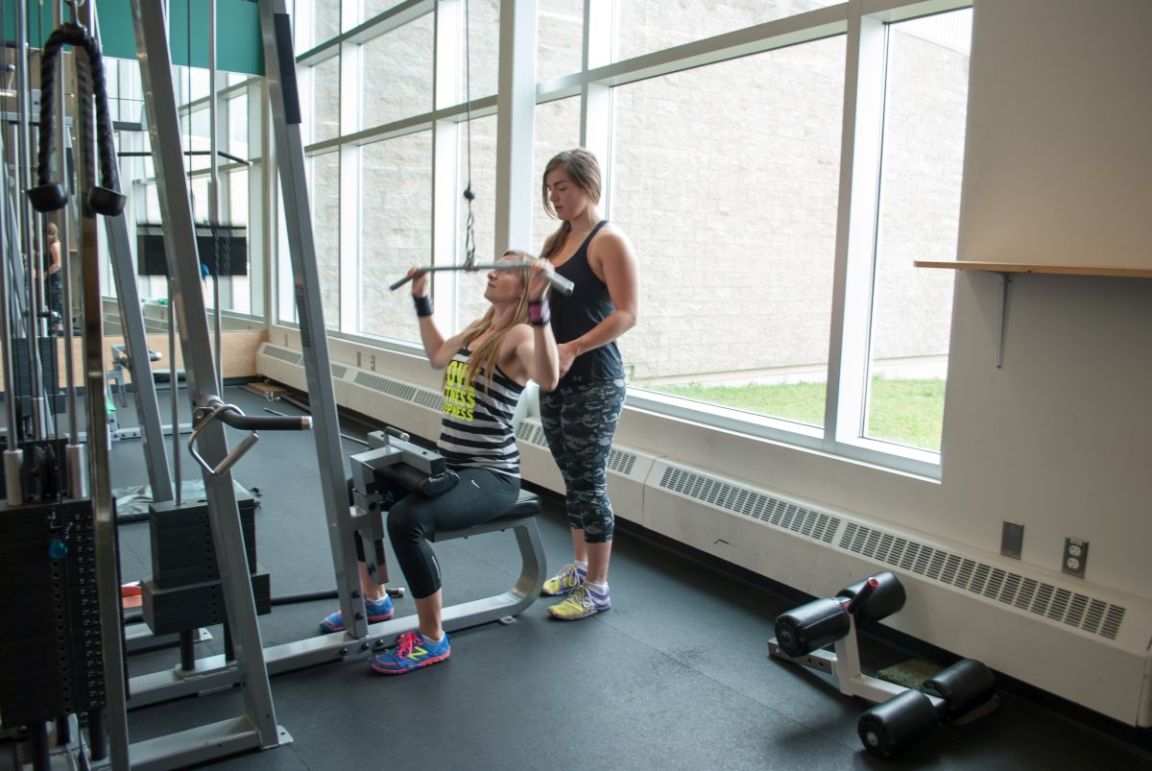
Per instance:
(49,196)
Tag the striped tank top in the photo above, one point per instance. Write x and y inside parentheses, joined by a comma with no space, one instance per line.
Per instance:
(476,429)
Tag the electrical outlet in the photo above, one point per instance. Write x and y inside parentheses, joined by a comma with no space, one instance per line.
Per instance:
(1075,557)
(1012,540)
(372,362)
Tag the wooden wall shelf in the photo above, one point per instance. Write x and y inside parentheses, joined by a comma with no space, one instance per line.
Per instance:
(1006,271)
(1021,267)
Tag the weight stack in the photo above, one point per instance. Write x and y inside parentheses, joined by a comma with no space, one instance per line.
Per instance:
(182,548)
(50,647)
(185,591)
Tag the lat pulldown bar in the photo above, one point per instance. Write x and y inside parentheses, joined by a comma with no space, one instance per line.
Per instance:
(558,282)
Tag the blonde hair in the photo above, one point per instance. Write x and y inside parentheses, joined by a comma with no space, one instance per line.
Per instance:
(584,171)
(484,359)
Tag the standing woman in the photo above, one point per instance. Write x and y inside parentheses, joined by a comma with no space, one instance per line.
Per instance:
(580,416)
(53,285)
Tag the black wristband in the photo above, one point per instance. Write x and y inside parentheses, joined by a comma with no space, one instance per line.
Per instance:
(539,313)
(423,305)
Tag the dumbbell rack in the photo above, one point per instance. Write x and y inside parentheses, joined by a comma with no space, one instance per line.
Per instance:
(901,716)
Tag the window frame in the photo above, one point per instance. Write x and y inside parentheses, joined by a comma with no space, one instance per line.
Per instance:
(862,22)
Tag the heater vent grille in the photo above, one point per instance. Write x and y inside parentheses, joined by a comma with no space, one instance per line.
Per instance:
(1047,600)
(283,354)
(384,385)
(750,503)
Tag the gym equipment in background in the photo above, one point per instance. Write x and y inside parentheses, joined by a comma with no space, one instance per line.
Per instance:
(957,695)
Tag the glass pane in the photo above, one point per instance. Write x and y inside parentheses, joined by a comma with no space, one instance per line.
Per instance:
(557,128)
(643,26)
(559,36)
(239,294)
(237,139)
(373,7)
(470,286)
(483,48)
(323,23)
(727,184)
(324,192)
(398,72)
(196,128)
(396,230)
(198,192)
(325,122)
(925,107)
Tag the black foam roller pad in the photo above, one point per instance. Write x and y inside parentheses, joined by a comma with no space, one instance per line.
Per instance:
(811,626)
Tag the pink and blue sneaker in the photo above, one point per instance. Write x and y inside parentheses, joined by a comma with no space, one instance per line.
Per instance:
(413,651)
(378,610)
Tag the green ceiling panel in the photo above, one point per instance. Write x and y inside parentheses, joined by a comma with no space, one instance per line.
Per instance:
(238,47)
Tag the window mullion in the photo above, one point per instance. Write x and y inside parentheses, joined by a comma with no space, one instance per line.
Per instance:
(856,229)
(515,102)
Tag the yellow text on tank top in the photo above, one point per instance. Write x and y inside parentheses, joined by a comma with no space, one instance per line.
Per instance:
(459,394)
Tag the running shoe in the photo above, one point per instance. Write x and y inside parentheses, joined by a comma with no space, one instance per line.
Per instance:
(413,651)
(584,601)
(569,577)
(378,610)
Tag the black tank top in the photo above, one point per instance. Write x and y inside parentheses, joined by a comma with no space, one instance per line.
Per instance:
(572,316)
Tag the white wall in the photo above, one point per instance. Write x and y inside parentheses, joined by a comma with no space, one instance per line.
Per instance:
(1059,168)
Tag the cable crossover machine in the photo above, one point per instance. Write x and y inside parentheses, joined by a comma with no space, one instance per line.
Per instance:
(58,543)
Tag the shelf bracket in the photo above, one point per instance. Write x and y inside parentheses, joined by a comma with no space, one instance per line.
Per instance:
(1005,302)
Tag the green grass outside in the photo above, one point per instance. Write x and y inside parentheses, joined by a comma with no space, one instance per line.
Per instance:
(908,412)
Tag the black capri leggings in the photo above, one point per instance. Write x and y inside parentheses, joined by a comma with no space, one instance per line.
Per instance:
(480,496)
(579,422)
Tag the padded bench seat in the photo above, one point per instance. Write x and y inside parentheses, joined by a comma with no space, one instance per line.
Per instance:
(527,506)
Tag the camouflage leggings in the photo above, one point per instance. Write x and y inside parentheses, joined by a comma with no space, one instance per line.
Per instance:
(579,422)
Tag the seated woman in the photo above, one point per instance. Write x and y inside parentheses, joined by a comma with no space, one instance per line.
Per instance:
(486,366)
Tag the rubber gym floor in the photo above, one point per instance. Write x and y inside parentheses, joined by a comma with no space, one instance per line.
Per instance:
(676,676)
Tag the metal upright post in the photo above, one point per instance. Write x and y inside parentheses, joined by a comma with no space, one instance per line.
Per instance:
(74,451)
(214,189)
(99,476)
(147,405)
(187,303)
(132,320)
(280,73)
(24,146)
(13,458)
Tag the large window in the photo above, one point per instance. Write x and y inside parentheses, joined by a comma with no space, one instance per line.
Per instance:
(469,286)
(324,181)
(777,165)
(325,117)
(239,116)
(557,128)
(558,37)
(396,229)
(398,73)
(925,106)
(732,209)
